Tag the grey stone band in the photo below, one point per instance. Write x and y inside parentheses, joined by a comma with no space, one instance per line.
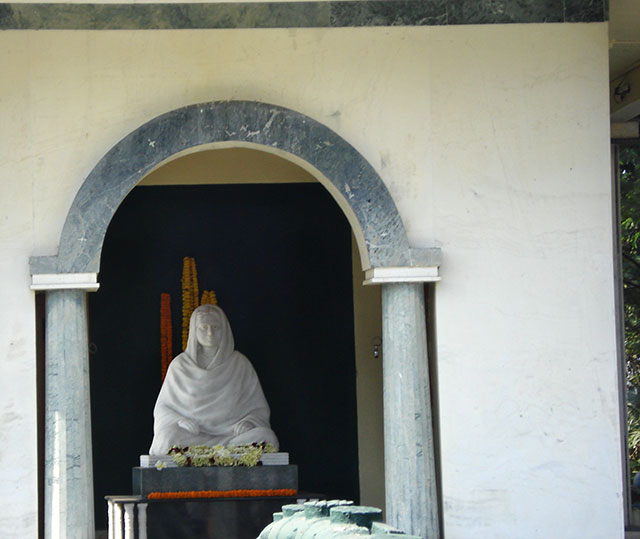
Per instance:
(296,14)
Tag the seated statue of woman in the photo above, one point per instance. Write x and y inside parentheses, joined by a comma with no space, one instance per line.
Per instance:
(211,394)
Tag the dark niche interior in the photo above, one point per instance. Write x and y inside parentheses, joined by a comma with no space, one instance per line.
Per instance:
(279,259)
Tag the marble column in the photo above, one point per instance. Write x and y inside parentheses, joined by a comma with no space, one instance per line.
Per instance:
(68,462)
(410,482)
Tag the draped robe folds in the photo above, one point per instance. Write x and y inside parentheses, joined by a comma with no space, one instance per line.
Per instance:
(216,397)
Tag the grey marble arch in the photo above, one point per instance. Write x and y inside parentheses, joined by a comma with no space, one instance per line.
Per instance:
(61,16)
(352,178)
(409,460)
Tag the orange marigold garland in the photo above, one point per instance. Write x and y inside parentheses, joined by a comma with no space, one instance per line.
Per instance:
(189,295)
(208,298)
(239,493)
(166,333)
(194,284)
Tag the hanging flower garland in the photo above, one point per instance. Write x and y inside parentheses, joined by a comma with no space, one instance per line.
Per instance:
(166,333)
(208,298)
(190,295)
(237,493)
(194,283)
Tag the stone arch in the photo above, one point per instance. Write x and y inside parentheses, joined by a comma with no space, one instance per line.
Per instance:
(411,497)
(352,181)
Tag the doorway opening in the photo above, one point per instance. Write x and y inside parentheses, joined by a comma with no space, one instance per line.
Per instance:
(350,179)
(278,252)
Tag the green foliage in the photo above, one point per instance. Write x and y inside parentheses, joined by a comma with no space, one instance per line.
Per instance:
(630,238)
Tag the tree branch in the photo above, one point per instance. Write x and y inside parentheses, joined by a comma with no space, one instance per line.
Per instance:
(631,259)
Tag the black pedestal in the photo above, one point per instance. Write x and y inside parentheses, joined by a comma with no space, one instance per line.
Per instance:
(146,480)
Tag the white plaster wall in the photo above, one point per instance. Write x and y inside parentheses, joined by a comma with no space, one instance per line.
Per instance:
(521,208)
(494,143)
(18,490)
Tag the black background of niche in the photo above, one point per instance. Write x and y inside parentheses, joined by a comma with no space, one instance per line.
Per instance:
(279,259)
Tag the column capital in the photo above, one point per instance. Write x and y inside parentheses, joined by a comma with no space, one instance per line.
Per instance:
(65,281)
(407,274)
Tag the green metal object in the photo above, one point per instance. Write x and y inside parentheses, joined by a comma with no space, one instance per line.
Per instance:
(332,519)
(289,511)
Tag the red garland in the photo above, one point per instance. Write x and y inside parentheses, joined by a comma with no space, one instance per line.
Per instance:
(166,333)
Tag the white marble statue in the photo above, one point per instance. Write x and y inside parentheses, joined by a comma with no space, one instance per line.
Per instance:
(211,394)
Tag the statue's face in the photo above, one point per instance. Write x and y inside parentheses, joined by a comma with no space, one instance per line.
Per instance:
(209,330)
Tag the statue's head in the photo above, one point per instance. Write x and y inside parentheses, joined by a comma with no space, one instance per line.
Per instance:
(209,329)
(210,335)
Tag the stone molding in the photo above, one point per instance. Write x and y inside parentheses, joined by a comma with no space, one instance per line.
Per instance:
(423,274)
(331,14)
(65,281)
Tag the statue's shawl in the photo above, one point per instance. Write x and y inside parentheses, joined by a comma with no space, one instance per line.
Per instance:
(216,396)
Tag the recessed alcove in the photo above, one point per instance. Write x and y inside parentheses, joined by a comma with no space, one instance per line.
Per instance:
(279,252)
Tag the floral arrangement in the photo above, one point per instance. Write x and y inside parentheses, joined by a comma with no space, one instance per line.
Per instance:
(239,493)
(232,455)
